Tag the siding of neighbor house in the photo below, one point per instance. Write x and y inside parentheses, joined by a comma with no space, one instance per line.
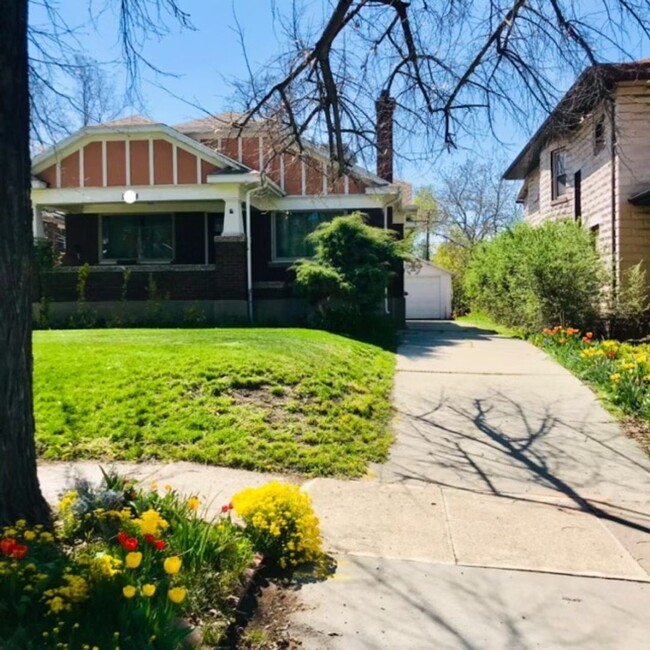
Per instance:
(596,170)
(633,170)
(632,174)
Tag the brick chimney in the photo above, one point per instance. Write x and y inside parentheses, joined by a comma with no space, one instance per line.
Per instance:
(385,107)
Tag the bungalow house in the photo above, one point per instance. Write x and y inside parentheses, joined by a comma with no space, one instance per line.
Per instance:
(590,161)
(205,210)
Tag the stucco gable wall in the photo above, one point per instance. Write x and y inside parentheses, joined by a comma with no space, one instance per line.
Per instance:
(633,170)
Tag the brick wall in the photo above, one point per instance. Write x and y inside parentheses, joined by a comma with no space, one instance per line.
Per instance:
(230,267)
(106,284)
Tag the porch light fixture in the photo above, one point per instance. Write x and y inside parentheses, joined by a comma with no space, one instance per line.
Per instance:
(130,196)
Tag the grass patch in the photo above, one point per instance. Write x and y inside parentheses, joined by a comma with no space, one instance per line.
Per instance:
(265,399)
(484,322)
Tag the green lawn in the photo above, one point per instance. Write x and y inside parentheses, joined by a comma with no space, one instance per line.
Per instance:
(267,399)
(483,321)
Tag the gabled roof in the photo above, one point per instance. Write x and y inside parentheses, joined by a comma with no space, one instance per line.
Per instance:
(591,87)
(211,123)
(126,126)
(224,124)
(129,121)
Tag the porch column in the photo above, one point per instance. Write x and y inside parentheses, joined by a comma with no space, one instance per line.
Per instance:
(233,219)
(37,222)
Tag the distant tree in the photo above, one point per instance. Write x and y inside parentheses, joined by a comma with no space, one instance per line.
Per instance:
(474,203)
(425,221)
(456,259)
(95,98)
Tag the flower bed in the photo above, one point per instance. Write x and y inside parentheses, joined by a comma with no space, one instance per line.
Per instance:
(134,569)
(620,370)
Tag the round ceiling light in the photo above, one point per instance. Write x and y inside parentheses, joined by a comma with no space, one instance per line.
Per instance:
(130,196)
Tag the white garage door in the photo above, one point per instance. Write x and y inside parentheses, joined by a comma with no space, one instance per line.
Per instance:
(423,299)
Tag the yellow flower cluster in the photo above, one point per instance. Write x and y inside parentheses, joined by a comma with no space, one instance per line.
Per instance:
(104,565)
(67,501)
(282,518)
(75,590)
(151,522)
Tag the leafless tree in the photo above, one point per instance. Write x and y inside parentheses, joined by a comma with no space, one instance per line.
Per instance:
(474,203)
(451,65)
(52,50)
(95,94)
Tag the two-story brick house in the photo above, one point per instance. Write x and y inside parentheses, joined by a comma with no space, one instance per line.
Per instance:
(212,213)
(590,161)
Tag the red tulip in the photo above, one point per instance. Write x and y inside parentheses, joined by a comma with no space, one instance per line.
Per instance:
(7,546)
(19,552)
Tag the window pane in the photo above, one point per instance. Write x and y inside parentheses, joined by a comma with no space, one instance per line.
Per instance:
(558,168)
(156,237)
(137,237)
(291,230)
(120,237)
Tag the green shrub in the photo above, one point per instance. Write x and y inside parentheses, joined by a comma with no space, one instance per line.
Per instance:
(456,259)
(529,276)
(346,280)
(281,523)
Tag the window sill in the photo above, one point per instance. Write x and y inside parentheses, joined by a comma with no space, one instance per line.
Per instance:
(283,262)
(560,201)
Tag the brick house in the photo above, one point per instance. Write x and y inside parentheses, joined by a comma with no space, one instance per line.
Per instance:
(205,209)
(590,161)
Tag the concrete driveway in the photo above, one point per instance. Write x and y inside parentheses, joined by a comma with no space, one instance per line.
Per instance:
(512,513)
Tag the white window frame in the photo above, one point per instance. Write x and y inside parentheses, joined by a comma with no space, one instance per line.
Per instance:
(108,260)
(554,184)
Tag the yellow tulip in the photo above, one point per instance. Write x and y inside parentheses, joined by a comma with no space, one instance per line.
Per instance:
(148,590)
(133,560)
(177,595)
(172,565)
(193,503)
(128,591)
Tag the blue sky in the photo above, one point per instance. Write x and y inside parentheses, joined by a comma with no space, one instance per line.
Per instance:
(203,61)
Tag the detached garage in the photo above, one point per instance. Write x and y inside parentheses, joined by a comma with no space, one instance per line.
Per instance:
(428,291)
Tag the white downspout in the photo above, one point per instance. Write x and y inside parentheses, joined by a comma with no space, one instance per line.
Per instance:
(249,252)
(390,204)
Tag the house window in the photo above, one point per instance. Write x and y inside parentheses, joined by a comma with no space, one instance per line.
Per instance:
(558,173)
(290,231)
(599,135)
(134,238)
(595,234)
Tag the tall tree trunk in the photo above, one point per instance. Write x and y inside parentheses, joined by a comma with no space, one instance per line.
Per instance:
(20,494)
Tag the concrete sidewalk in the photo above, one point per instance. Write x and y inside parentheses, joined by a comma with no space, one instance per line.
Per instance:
(512,512)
